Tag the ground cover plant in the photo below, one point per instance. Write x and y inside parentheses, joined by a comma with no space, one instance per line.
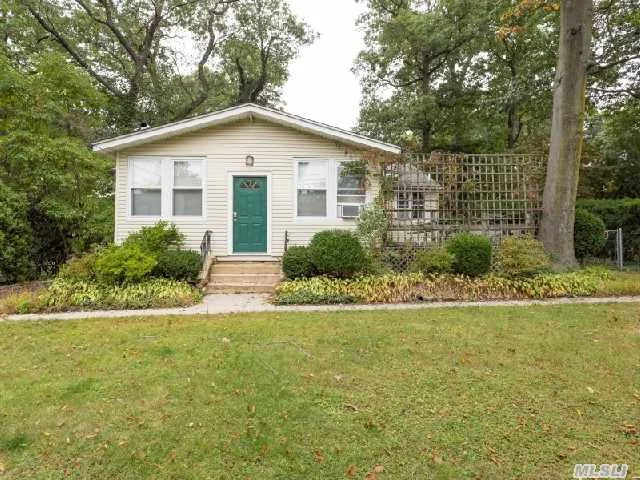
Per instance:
(149,270)
(418,287)
(449,394)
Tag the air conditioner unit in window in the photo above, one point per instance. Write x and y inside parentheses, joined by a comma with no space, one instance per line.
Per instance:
(349,211)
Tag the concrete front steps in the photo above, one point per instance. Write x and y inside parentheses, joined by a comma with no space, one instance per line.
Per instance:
(244,277)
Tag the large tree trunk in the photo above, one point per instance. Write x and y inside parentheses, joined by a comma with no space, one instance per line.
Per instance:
(559,200)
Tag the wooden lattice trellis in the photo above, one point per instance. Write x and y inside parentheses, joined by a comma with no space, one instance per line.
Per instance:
(429,198)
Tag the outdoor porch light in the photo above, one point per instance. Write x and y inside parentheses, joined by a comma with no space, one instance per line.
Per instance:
(249,161)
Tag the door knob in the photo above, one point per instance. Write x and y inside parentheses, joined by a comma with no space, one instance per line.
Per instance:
(235,216)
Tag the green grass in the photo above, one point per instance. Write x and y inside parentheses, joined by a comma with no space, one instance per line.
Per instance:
(453,393)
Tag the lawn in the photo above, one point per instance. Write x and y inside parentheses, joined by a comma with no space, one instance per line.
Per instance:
(453,393)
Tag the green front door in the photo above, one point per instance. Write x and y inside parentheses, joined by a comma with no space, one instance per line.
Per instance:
(250,214)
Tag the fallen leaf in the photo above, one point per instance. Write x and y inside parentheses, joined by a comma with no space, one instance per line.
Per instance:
(436,458)
(590,390)
(351,407)
(351,471)
(251,409)
(318,456)
(225,340)
(378,469)
(1,468)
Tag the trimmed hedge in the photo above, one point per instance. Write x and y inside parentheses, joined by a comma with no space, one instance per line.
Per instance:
(588,236)
(296,263)
(623,213)
(337,253)
(178,265)
(125,263)
(472,254)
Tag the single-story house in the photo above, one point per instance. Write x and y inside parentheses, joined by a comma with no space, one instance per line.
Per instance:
(248,174)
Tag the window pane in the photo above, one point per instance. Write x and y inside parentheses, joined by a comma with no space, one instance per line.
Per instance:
(351,199)
(146,172)
(312,175)
(187,173)
(312,203)
(187,202)
(145,202)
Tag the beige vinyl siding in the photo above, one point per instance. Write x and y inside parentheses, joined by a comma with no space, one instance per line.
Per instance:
(275,149)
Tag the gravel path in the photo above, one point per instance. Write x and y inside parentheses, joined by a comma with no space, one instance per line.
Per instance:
(221,304)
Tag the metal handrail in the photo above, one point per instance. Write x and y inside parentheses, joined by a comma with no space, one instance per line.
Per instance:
(205,245)
(286,240)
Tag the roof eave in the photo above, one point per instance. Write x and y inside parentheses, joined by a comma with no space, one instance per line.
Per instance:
(235,114)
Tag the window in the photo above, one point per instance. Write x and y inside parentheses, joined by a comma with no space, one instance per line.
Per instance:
(410,205)
(146,186)
(166,187)
(311,188)
(351,189)
(187,188)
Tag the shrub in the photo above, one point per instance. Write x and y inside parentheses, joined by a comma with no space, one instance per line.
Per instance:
(372,226)
(178,265)
(472,254)
(15,237)
(157,239)
(521,257)
(588,234)
(337,253)
(623,213)
(433,260)
(126,263)
(296,263)
(81,268)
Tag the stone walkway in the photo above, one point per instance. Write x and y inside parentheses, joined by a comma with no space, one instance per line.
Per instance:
(224,304)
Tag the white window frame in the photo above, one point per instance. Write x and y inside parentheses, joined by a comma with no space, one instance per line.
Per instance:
(328,188)
(332,190)
(338,203)
(173,160)
(166,189)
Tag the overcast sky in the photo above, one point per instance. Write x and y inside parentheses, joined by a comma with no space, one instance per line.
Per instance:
(321,85)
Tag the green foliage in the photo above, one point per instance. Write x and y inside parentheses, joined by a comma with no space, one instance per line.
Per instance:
(82,268)
(126,263)
(337,253)
(588,234)
(520,257)
(67,295)
(296,263)
(240,52)
(433,260)
(623,213)
(472,254)
(178,265)
(157,239)
(372,226)
(15,233)
(414,287)
(313,298)
(44,156)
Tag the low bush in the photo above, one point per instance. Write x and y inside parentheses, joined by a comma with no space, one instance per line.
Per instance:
(80,268)
(619,213)
(296,263)
(588,234)
(67,295)
(156,239)
(472,254)
(126,263)
(178,265)
(520,257)
(313,298)
(433,260)
(413,287)
(337,253)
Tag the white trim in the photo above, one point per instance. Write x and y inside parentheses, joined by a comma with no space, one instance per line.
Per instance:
(231,174)
(166,187)
(239,113)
